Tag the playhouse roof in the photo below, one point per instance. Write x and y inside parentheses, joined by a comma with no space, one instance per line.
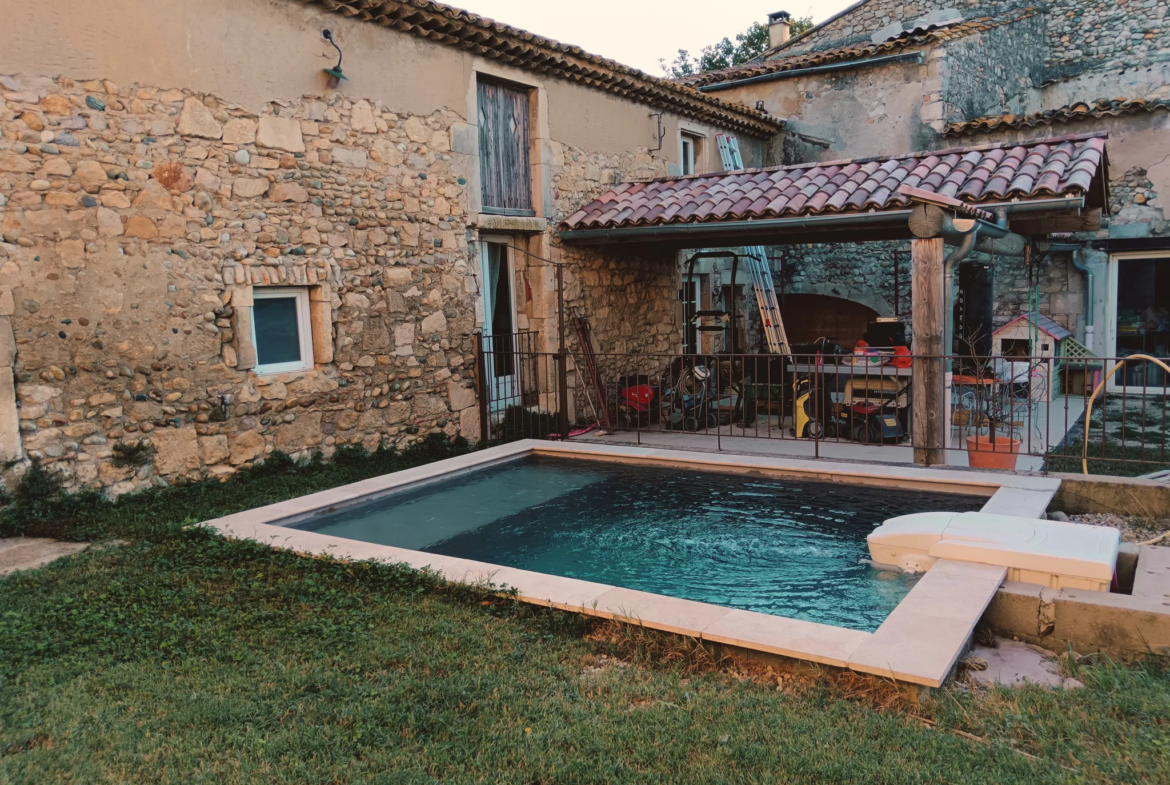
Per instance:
(1043,322)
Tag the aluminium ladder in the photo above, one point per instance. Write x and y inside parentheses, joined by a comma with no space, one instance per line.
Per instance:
(762,283)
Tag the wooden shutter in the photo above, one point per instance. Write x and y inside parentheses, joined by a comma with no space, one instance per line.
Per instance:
(503,149)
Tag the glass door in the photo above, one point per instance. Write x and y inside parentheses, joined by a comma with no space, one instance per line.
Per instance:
(499,324)
(1139,320)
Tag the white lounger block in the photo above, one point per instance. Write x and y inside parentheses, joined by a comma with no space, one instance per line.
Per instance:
(1053,554)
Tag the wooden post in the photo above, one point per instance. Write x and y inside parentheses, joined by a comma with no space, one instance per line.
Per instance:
(929,428)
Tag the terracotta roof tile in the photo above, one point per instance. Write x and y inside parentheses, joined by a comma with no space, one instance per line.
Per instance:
(1071,113)
(454,27)
(861,51)
(1027,170)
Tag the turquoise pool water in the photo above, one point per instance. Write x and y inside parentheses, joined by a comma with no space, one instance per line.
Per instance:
(789,548)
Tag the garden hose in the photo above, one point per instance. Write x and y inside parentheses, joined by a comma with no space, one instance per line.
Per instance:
(1099,388)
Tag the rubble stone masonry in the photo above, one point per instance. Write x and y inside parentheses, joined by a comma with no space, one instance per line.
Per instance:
(137,223)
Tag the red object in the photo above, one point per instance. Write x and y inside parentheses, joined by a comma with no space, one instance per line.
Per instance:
(639,397)
(902,358)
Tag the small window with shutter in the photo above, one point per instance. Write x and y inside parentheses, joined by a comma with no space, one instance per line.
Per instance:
(503,149)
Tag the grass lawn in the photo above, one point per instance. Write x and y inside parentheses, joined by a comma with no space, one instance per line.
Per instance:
(180,657)
(1127,438)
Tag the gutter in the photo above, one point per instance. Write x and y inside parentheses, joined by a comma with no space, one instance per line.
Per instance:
(812,223)
(816,223)
(872,62)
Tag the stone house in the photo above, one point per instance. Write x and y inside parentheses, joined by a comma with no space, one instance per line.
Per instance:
(885,78)
(225,232)
(206,246)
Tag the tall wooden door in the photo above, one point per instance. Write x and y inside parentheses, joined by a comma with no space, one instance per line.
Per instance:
(504,169)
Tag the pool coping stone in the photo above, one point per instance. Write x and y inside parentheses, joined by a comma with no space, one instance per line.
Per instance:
(918,643)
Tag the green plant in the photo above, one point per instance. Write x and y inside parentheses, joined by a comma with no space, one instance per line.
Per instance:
(41,505)
(748,45)
(132,455)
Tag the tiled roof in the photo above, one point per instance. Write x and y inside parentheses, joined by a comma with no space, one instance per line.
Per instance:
(512,46)
(1028,170)
(1070,113)
(861,51)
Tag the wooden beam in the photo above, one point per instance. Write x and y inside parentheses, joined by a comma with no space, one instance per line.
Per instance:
(928,385)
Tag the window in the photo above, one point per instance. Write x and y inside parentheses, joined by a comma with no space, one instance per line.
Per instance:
(281,330)
(505,177)
(691,154)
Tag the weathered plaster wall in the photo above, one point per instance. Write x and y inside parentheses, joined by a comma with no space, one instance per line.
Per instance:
(248,52)
(867,112)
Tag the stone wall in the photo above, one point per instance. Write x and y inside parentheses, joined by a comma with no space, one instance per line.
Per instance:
(857,267)
(1093,34)
(994,72)
(867,18)
(136,222)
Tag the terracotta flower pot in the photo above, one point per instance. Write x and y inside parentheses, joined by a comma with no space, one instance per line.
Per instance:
(982,454)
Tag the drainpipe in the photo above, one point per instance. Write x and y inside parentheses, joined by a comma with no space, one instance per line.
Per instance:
(987,236)
(1079,264)
(953,258)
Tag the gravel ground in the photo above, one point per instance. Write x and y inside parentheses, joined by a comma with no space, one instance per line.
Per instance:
(1133,528)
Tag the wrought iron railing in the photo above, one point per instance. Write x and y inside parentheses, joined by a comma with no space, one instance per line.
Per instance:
(1027,413)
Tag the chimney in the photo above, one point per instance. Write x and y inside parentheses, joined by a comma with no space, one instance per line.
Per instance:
(779,28)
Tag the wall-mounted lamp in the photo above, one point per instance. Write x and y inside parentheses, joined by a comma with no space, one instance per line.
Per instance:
(335,73)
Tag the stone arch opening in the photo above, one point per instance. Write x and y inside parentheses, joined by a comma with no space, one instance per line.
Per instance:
(828,311)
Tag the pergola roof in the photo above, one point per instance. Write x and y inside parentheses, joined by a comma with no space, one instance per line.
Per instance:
(1036,170)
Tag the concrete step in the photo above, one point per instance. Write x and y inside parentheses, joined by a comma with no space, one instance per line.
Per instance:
(1151,579)
(27,553)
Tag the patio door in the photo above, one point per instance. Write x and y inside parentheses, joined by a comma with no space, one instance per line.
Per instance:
(1138,319)
(499,324)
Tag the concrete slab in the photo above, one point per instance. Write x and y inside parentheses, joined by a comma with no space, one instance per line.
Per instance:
(922,639)
(1151,579)
(1015,664)
(28,553)
(658,611)
(787,637)
(1021,502)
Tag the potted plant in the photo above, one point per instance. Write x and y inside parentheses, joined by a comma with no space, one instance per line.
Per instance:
(994,413)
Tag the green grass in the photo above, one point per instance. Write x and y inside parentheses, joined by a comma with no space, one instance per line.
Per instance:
(42,508)
(180,657)
(1131,422)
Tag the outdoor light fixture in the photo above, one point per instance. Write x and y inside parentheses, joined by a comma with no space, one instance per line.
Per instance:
(335,73)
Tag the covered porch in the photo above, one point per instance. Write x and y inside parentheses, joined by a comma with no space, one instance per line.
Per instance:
(1005,200)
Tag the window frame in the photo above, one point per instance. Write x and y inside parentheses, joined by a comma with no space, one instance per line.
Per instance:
(688,153)
(1113,271)
(300,295)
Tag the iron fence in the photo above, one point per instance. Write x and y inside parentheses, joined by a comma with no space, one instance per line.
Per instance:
(1000,411)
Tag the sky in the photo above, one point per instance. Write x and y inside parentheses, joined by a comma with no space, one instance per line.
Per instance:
(639,32)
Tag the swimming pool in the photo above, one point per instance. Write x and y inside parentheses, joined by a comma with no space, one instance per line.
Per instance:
(792,548)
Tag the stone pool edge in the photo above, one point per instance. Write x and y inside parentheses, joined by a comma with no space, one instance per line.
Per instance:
(918,643)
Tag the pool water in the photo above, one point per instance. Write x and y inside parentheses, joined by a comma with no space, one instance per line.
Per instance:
(785,547)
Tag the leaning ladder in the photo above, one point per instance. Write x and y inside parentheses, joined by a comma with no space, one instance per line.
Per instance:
(762,283)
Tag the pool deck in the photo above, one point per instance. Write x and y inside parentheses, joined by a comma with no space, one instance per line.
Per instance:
(918,644)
